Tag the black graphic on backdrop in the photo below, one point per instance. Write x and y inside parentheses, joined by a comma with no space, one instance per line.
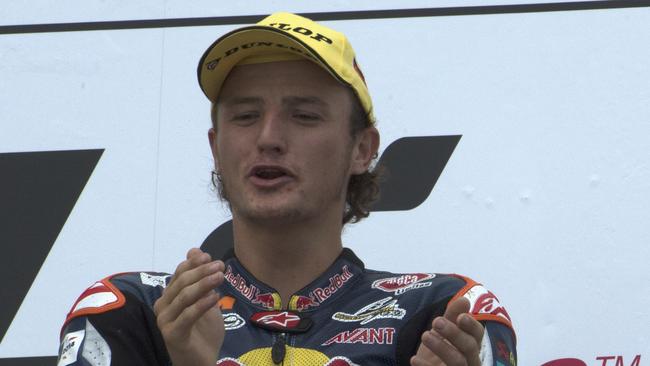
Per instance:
(413,166)
(37,193)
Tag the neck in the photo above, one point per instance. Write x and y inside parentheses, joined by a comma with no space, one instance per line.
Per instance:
(287,257)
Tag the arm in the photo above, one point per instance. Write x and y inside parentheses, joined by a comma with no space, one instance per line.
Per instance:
(475,330)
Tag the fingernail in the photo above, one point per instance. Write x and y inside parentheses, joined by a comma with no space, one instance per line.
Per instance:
(439,324)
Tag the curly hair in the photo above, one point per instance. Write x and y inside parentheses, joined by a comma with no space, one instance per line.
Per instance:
(362,190)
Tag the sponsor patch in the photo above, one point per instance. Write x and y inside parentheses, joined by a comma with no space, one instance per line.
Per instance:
(281,321)
(364,336)
(320,294)
(485,306)
(154,281)
(267,300)
(336,282)
(381,309)
(239,283)
(232,321)
(98,298)
(300,303)
(70,347)
(503,351)
(403,283)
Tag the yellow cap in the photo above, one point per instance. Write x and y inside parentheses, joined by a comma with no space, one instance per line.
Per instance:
(283,36)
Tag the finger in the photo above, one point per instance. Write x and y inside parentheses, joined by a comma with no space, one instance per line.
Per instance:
(188,296)
(464,343)
(182,326)
(471,326)
(194,258)
(455,308)
(186,277)
(449,355)
(424,356)
(196,252)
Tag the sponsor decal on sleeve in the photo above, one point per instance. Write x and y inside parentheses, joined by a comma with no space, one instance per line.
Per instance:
(70,347)
(154,281)
(381,309)
(363,336)
(400,284)
(98,298)
(483,304)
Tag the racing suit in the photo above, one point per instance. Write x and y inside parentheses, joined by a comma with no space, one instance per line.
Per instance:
(348,316)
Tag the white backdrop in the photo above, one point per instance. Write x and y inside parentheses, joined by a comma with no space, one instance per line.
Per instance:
(545,200)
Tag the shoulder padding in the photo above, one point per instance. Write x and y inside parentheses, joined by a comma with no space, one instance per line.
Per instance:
(107,294)
(483,304)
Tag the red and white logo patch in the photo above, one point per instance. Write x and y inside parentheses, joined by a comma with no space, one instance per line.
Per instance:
(102,296)
(281,321)
(485,306)
(403,283)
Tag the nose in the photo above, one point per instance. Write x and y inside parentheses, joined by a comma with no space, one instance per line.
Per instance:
(272,135)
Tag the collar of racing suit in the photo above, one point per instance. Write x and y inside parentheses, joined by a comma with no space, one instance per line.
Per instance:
(325,289)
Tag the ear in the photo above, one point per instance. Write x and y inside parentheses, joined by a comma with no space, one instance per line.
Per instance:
(212,139)
(365,149)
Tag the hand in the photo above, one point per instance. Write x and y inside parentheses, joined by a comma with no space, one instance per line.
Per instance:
(454,340)
(187,313)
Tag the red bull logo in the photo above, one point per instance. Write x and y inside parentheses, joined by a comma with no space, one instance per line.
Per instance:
(266,300)
(300,303)
(239,283)
(337,281)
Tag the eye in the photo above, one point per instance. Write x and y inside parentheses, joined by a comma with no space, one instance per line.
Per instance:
(306,117)
(245,118)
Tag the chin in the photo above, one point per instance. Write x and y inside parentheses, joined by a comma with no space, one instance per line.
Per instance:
(273,213)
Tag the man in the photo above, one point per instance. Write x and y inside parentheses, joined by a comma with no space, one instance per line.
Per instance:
(293,139)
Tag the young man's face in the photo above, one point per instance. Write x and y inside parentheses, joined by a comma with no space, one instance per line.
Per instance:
(283,146)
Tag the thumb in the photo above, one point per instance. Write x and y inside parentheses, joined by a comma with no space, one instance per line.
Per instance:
(455,308)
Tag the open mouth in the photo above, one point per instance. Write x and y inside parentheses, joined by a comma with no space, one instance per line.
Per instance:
(269,173)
